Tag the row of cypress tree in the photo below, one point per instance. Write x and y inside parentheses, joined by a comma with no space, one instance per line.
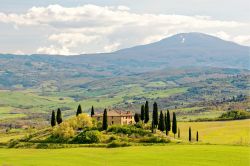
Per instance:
(56,118)
(163,122)
(190,135)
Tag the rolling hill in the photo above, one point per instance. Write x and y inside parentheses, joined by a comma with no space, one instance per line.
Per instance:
(179,51)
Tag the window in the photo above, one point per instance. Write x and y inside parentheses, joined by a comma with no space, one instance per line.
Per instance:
(112,117)
(112,122)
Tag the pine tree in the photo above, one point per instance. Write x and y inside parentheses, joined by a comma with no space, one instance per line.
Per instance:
(155,114)
(174,125)
(58,116)
(179,133)
(137,118)
(197,136)
(92,111)
(189,134)
(142,113)
(105,120)
(79,110)
(146,112)
(53,119)
(168,123)
(161,125)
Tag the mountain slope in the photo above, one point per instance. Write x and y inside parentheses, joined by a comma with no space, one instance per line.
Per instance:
(191,49)
(179,51)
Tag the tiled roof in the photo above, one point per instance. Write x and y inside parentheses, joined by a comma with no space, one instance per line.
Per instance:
(116,113)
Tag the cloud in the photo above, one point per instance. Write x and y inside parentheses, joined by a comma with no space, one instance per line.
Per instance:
(90,28)
(244,40)
(223,35)
(54,50)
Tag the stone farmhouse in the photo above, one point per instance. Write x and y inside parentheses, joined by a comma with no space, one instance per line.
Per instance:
(116,117)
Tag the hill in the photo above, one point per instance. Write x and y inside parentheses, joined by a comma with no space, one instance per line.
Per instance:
(179,51)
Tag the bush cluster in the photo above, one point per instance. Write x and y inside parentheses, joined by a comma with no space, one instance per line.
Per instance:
(129,130)
(88,137)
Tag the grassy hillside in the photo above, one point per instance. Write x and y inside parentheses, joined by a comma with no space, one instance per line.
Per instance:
(223,132)
(175,155)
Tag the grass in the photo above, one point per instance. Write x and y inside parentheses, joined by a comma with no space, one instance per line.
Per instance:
(219,132)
(172,154)
(162,93)
(8,112)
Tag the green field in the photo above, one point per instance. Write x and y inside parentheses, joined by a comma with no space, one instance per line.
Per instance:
(219,132)
(174,155)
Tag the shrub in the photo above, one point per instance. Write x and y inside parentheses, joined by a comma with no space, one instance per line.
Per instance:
(235,115)
(64,130)
(154,139)
(127,130)
(115,144)
(67,129)
(13,143)
(92,136)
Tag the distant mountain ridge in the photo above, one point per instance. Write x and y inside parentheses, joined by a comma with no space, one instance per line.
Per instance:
(195,49)
(186,50)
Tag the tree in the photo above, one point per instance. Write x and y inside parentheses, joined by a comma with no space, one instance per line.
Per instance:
(58,116)
(105,120)
(197,136)
(161,125)
(179,133)
(79,110)
(53,119)
(168,123)
(92,111)
(137,118)
(142,113)
(165,123)
(174,124)
(152,126)
(155,114)
(146,112)
(189,134)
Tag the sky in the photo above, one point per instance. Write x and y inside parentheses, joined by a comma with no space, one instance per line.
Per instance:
(70,27)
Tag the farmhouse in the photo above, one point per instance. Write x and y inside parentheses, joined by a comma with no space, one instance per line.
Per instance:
(116,117)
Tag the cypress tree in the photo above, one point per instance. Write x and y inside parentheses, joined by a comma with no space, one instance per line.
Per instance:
(152,126)
(142,113)
(137,118)
(58,116)
(155,114)
(165,122)
(146,112)
(92,111)
(161,125)
(189,134)
(168,123)
(105,120)
(79,110)
(174,125)
(179,133)
(197,136)
(53,119)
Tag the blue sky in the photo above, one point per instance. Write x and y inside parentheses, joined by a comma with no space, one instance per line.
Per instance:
(78,26)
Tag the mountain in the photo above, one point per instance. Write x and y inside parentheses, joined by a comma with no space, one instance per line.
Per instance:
(190,49)
(183,50)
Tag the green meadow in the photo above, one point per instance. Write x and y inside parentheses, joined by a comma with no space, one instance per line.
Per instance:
(174,155)
(236,132)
